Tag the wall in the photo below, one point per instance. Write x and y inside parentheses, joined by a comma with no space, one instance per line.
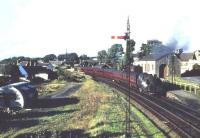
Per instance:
(147,66)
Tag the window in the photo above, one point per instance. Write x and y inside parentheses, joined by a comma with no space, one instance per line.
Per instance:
(147,67)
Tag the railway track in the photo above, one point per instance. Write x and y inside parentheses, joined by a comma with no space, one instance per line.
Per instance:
(182,106)
(185,123)
(189,115)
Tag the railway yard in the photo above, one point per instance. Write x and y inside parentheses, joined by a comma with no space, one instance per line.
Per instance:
(99,69)
(90,104)
(80,110)
(143,89)
(181,119)
(101,102)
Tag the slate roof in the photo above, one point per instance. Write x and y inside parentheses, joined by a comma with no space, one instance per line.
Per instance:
(186,56)
(157,52)
(153,57)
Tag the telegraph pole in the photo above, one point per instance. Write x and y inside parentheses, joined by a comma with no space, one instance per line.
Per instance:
(173,58)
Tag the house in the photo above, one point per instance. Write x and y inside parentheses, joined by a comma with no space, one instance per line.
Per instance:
(188,60)
(158,60)
(23,63)
(56,63)
(45,65)
(197,55)
(162,60)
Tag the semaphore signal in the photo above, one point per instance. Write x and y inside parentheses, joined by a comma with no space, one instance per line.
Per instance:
(118,37)
(130,43)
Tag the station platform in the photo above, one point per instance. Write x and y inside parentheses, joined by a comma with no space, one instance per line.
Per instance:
(185,98)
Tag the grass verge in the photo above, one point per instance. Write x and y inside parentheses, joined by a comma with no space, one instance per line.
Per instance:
(100,112)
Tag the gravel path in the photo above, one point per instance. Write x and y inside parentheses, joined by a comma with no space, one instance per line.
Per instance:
(67,91)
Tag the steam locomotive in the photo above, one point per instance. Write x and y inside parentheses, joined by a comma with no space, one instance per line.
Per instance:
(145,83)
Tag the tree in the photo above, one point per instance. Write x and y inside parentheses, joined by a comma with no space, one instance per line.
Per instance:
(83,58)
(102,56)
(144,50)
(49,57)
(6,61)
(72,59)
(129,49)
(61,57)
(14,60)
(115,53)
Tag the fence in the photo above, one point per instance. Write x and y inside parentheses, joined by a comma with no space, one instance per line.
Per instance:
(195,89)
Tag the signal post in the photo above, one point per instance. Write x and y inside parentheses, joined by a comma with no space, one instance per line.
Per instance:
(128,59)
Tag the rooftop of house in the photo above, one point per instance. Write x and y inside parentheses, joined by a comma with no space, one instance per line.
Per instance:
(157,52)
(186,56)
(152,57)
(42,64)
(155,57)
(24,63)
(56,62)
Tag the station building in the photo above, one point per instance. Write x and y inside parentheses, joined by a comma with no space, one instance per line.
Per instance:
(162,60)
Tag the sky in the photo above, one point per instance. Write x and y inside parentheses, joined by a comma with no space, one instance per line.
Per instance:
(35,28)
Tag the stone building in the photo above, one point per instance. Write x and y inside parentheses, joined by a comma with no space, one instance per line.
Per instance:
(188,60)
(159,61)
(197,55)
(162,60)
(160,65)
(186,64)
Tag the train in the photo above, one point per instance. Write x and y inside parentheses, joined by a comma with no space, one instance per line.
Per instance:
(143,82)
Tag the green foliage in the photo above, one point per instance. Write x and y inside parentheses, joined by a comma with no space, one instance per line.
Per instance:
(83,60)
(83,57)
(144,50)
(94,113)
(66,75)
(102,56)
(129,49)
(49,57)
(115,54)
(72,58)
(14,60)
(61,57)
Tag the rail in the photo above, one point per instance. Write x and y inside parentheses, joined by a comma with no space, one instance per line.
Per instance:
(184,127)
